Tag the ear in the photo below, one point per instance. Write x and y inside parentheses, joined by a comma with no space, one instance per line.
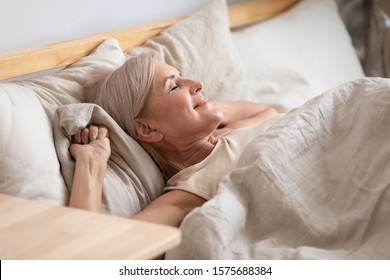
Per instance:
(145,133)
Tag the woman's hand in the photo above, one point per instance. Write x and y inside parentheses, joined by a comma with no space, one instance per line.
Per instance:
(91,149)
(91,143)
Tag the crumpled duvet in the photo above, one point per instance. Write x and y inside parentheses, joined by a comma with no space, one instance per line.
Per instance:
(316,185)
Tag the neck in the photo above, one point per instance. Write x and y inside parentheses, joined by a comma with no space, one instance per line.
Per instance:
(187,154)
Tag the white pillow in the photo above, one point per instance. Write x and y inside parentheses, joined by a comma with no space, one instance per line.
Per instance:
(201,47)
(297,55)
(29,166)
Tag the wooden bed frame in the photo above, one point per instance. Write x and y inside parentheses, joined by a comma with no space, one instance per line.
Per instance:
(17,214)
(47,57)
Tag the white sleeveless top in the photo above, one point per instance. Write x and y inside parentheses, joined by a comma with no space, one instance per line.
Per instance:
(202,178)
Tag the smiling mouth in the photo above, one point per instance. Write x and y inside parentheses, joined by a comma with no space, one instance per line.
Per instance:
(202,102)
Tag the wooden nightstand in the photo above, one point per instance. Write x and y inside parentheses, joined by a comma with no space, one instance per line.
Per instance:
(34,230)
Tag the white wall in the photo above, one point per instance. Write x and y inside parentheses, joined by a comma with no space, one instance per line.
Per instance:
(29,23)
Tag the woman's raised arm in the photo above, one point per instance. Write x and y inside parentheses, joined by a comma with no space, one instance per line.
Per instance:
(91,151)
(238,114)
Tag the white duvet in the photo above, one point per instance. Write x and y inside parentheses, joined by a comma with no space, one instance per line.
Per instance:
(316,185)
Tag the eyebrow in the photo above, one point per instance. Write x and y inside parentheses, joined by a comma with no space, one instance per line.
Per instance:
(170,77)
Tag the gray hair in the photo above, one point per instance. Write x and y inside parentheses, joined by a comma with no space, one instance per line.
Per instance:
(123,94)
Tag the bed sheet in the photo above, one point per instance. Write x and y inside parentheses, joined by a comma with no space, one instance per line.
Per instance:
(316,185)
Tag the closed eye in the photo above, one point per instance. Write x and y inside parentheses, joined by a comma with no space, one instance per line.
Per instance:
(175,87)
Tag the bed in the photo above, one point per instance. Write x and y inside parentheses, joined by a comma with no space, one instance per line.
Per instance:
(314,186)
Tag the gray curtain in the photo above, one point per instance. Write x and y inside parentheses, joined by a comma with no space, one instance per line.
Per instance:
(368,23)
(377,61)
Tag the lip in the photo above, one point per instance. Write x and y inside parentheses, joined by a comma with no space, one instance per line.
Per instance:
(202,102)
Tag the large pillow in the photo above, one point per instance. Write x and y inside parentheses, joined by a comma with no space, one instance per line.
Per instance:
(66,86)
(297,55)
(201,47)
(29,166)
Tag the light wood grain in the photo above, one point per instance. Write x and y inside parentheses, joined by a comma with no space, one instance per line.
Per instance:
(47,57)
(34,230)
(251,12)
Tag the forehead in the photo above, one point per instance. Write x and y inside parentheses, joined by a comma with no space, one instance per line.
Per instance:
(163,70)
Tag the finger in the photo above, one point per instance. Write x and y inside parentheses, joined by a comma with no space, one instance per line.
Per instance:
(103,132)
(85,135)
(76,138)
(93,132)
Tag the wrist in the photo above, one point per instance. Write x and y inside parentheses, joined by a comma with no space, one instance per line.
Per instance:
(92,166)
(88,181)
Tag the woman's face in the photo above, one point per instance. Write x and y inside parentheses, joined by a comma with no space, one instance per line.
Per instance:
(177,108)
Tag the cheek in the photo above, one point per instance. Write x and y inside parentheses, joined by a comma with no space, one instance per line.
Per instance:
(175,108)
(158,108)
(179,105)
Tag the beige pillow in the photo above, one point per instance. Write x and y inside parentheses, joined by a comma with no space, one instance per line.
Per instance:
(66,86)
(201,47)
(29,166)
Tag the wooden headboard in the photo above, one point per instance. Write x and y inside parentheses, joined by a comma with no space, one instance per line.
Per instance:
(47,57)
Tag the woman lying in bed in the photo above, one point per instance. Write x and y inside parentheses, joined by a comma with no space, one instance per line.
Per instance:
(194,141)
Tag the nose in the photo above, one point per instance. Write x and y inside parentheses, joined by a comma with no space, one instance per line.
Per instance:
(195,87)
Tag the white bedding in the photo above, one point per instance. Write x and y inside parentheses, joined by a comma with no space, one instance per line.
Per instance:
(316,185)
